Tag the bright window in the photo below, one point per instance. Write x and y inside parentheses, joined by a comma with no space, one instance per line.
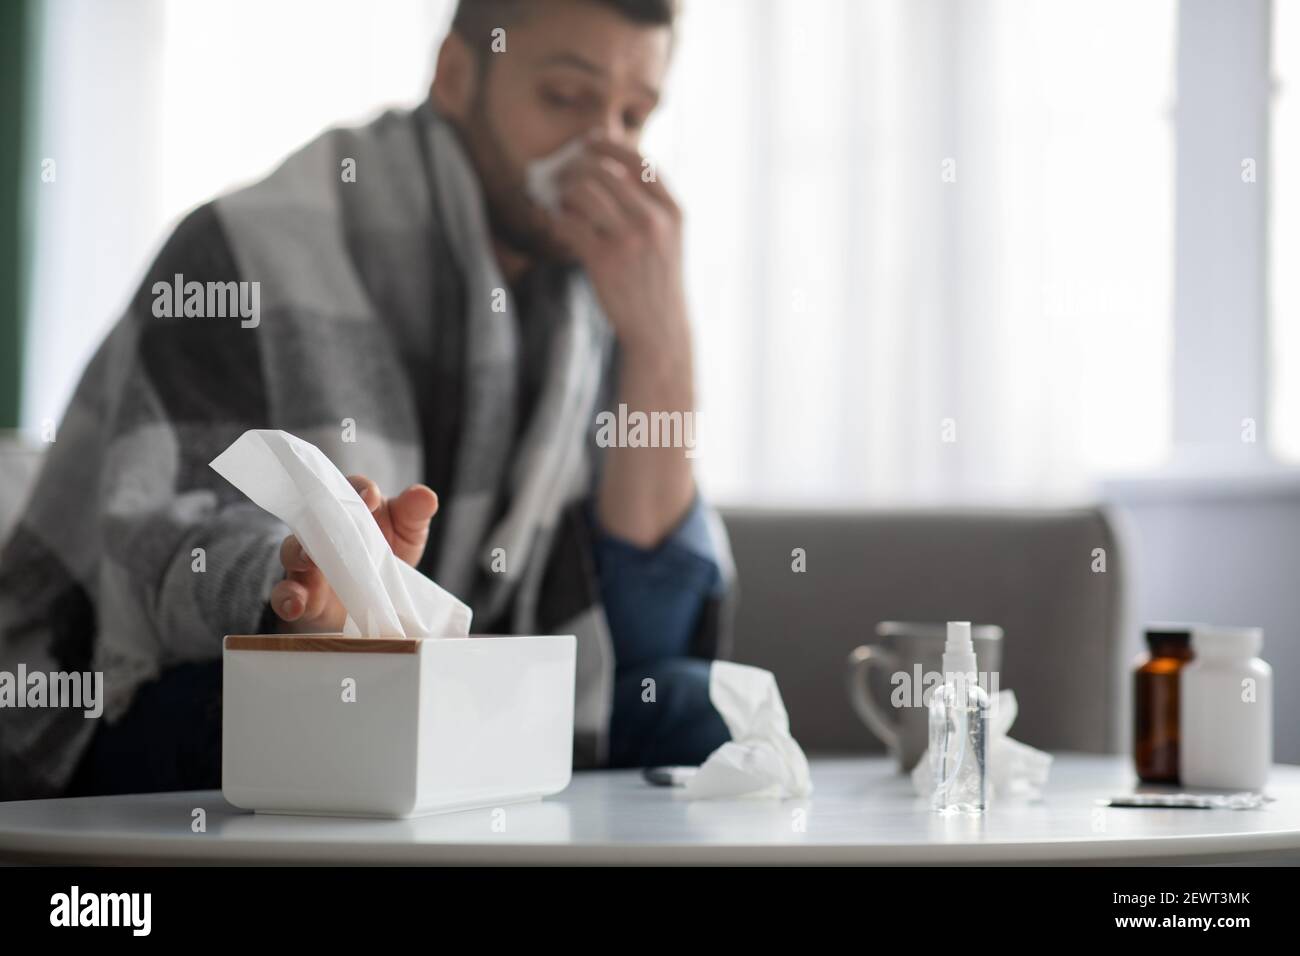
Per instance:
(1284,186)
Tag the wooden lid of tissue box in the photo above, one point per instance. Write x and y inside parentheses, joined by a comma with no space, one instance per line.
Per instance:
(322,642)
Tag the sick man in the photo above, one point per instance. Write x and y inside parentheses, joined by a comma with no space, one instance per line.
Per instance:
(429,325)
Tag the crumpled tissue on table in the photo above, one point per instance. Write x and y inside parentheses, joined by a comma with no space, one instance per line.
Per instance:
(1014,769)
(761,759)
(295,481)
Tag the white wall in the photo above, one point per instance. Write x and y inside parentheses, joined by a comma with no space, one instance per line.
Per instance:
(1222,553)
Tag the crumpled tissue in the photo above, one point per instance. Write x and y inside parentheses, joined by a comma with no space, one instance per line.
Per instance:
(761,759)
(541,175)
(1014,769)
(296,482)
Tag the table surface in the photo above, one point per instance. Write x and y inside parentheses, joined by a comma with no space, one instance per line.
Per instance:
(861,811)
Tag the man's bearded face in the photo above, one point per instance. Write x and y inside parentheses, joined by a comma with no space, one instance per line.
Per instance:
(579,68)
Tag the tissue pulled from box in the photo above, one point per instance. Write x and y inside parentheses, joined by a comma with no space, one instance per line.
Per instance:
(541,176)
(296,482)
(762,758)
(1014,769)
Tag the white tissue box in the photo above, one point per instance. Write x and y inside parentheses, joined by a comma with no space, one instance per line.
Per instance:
(334,725)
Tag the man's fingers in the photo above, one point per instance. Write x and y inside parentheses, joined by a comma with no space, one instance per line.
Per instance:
(411,512)
(636,164)
(319,593)
(596,205)
(289,600)
(293,556)
(576,231)
(615,183)
(302,596)
(367,489)
(304,593)
(404,520)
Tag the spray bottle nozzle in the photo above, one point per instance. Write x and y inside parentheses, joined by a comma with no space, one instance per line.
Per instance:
(959,651)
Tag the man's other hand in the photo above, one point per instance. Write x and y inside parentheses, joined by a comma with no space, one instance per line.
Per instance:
(626,229)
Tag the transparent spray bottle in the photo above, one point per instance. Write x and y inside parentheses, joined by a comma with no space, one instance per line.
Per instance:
(959,721)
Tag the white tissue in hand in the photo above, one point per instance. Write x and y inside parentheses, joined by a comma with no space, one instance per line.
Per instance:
(761,758)
(1013,768)
(540,177)
(296,482)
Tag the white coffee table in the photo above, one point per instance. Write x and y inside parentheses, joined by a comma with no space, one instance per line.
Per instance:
(861,812)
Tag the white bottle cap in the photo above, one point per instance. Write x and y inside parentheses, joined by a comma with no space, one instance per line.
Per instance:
(959,651)
(1208,639)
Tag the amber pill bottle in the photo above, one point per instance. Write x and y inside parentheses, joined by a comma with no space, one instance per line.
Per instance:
(1155,704)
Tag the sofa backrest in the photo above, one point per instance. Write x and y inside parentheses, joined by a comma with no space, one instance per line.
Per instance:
(1030,571)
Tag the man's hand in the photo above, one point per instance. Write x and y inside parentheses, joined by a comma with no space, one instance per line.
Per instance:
(627,232)
(304,601)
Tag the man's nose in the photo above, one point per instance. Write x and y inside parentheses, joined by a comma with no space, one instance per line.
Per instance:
(612,129)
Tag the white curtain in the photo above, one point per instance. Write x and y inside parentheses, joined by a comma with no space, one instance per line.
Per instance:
(849,298)
(907,220)
(1284,415)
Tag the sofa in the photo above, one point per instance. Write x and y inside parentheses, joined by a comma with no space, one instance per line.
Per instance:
(1029,571)
(1033,572)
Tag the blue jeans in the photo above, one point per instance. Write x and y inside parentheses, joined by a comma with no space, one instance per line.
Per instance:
(170,739)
